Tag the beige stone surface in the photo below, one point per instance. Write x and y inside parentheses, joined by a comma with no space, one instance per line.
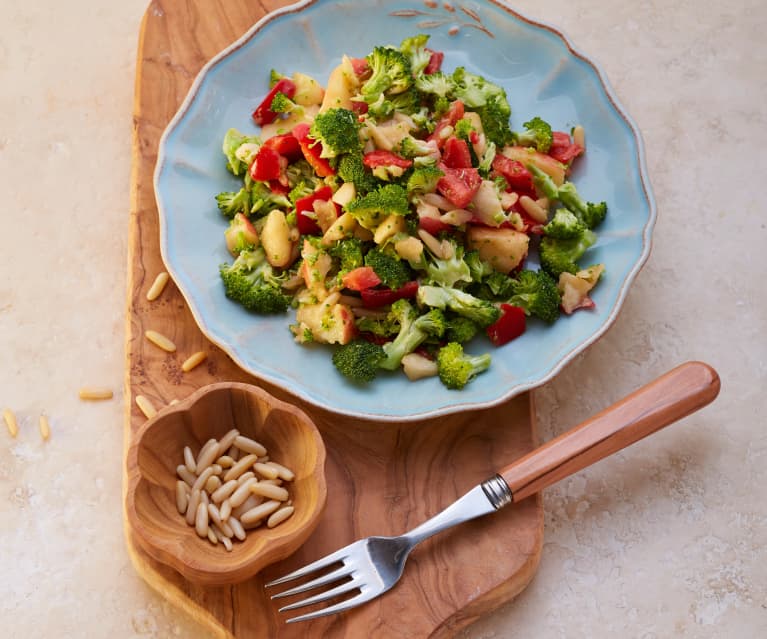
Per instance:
(666,539)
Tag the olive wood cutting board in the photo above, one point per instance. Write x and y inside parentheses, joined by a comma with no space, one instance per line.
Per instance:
(383,478)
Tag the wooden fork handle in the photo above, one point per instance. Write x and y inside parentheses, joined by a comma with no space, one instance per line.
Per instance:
(672,396)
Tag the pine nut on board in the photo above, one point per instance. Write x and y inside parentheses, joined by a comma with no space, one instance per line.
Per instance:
(157,286)
(45,428)
(95,393)
(158,339)
(10,422)
(146,406)
(193,361)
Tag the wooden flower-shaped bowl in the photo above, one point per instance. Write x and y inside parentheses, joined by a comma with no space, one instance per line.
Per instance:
(291,439)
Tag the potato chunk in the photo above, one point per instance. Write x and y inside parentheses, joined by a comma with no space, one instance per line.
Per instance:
(503,249)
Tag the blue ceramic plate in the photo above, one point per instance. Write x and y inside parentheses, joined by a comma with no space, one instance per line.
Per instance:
(542,73)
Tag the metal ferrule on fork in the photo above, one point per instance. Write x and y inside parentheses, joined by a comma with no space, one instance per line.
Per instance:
(497,491)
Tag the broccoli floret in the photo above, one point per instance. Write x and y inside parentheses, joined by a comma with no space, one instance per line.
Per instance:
(560,256)
(488,100)
(537,134)
(478,268)
(499,284)
(372,208)
(564,225)
(338,130)
(233,140)
(413,331)
(274,77)
(263,199)
(393,271)
(230,203)
(302,189)
(252,282)
(478,310)
(463,129)
(486,162)
(437,84)
(281,103)
(359,360)
(352,169)
(415,49)
(411,147)
(390,72)
(456,368)
(536,292)
(448,272)
(423,180)
(543,182)
(348,252)
(382,327)
(591,214)
(460,329)
(302,171)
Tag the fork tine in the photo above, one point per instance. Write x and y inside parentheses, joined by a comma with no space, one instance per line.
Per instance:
(343,571)
(339,607)
(324,562)
(324,596)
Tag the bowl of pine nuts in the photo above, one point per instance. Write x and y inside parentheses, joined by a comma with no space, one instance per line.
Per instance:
(225,483)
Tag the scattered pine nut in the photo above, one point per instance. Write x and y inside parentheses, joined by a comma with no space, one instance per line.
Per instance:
(579,136)
(533,209)
(193,361)
(45,428)
(92,393)
(157,286)
(160,340)
(173,402)
(145,406)
(10,422)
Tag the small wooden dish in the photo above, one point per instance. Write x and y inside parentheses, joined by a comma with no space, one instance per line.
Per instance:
(291,439)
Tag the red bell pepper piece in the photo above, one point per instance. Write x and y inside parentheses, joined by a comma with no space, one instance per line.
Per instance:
(286,145)
(456,154)
(278,187)
(375,297)
(435,61)
(359,107)
(452,115)
(510,325)
(359,66)
(263,113)
(515,173)
(563,149)
(360,278)
(432,225)
(380,157)
(306,224)
(459,185)
(265,165)
(312,149)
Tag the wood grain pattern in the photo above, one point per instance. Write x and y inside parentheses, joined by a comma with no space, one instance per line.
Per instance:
(667,399)
(382,479)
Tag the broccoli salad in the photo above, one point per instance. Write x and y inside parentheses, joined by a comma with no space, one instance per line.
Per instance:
(395,209)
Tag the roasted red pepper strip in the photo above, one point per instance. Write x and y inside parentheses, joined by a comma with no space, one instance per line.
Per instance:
(265,165)
(308,225)
(360,278)
(459,185)
(510,325)
(286,145)
(456,154)
(263,113)
(435,61)
(433,226)
(311,149)
(375,297)
(385,158)
(359,66)
(563,149)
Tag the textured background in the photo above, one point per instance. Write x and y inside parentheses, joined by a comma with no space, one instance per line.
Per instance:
(668,538)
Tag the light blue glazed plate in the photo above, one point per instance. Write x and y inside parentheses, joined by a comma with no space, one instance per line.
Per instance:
(542,73)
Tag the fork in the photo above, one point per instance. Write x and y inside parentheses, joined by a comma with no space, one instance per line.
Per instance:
(375,564)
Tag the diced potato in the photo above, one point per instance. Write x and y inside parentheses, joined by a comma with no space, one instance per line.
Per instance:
(240,232)
(545,163)
(391,225)
(281,126)
(275,238)
(338,94)
(314,269)
(326,323)
(503,249)
(410,248)
(575,288)
(345,194)
(487,205)
(417,366)
(343,227)
(308,90)
(326,213)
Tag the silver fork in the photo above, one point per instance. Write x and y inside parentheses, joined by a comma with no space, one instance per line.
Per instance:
(375,564)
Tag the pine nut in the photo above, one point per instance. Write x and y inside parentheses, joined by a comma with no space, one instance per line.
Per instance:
(191,507)
(259,512)
(145,406)
(282,471)
(173,402)
(161,341)
(225,461)
(279,516)
(157,286)
(579,136)
(93,393)
(234,453)
(249,446)
(201,521)
(237,528)
(10,422)
(235,471)
(208,453)
(251,502)
(269,491)
(241,494)
(189,460)
(265,470)
(183,472)
(227,440)
(204,499)
(199,483)
(273,482)
(225,510)
(533,209)
(227,544)
(45,428)
(182,497)
(245,477)
(212,538)
(213,484)
(217,470)
(222,493)
(193,361)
